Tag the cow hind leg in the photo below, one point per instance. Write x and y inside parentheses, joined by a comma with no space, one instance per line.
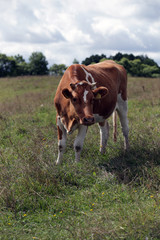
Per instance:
(78,143)
(104,134)
(115,126)
(122,112)
(62,137)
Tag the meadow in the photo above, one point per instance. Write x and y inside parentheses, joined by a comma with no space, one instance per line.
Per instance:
(110,196)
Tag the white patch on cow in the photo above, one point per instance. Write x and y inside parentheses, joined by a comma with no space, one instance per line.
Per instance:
(98,118)
(89,75)
(85,96)
(60,123)
(121,103)
(104,134)
(122,108)
(80,83)
(61,142)
(78,143)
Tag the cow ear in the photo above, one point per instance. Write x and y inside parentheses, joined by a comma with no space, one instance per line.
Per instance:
(66,93)
(100,92)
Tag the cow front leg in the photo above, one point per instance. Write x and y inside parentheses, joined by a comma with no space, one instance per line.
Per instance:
(62,137)
(104,134)
(78,143)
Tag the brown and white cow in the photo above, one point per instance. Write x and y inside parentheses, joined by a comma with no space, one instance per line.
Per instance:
(88,95)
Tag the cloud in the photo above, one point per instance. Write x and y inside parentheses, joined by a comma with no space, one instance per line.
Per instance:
(25,25)
(131,33)
(67,29)
(148,10)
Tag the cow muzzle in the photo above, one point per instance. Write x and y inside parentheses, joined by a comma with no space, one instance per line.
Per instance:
(88,121)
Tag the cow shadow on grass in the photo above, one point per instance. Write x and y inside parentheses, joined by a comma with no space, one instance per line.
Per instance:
(134,166)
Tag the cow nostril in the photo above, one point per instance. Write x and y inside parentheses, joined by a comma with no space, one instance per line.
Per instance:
(85,120)
(88,120)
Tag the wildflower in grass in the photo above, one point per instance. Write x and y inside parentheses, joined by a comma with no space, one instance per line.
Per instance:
(91,210)
(61,212)
(24,215)
(92,204)
(152,196)
(102,193)
(9,223)
(54,215)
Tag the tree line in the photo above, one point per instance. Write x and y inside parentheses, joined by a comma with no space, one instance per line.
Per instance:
(17,66)
(137,66)
(140,66)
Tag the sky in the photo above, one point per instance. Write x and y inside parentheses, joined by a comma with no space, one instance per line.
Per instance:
(67,29)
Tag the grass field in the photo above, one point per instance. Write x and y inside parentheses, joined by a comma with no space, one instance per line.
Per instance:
(111,196)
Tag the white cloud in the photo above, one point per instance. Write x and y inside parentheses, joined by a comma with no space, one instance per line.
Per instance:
(68,29)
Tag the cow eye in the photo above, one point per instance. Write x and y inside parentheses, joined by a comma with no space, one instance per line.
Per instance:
(74,99)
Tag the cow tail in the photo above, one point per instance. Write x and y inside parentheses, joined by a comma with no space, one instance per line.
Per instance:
(115,126)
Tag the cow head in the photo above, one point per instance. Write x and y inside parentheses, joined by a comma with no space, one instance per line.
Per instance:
(82,96)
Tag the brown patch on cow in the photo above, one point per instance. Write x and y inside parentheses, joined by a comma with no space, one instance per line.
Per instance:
(60,133)
(71,124)
(102,124)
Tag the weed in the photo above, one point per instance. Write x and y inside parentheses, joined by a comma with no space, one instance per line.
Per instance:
(110,196)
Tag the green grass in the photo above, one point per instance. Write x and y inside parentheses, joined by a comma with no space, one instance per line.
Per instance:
(111,196)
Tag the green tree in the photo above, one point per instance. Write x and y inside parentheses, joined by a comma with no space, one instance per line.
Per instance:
(38,64)
(93,59)
(103,59)
(7,66)
(22,66)
(58,69)
(75,61)
(19,59)
(150,71)
(126,64)
(136,68)
(118,56)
